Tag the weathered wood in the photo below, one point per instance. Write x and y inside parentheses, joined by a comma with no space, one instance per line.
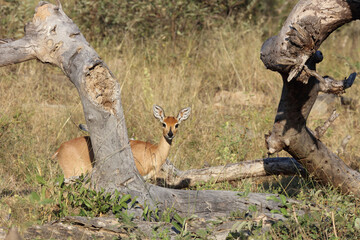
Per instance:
(53,38)
(293,53)
(210,203)
(16,51)
(174,178)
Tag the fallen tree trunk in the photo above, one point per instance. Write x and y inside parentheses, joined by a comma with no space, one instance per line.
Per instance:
(293,53)
(53,38)
(174,178)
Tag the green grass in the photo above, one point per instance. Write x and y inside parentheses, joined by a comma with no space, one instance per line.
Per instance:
(41,109)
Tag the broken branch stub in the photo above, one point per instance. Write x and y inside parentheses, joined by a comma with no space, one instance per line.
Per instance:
(329,85)
(293,53)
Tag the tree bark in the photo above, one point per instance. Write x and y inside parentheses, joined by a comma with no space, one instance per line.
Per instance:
(174,178)
(293,53)
(53,38)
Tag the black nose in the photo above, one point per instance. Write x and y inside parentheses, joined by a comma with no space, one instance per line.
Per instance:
(170,134)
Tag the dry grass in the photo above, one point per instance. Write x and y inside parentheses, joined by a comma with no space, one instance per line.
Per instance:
(190,75)
(41,108)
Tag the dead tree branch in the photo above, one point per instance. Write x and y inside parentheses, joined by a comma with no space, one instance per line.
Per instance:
(293,53)
(174,178)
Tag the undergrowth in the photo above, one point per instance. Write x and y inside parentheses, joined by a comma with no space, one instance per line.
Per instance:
(321,212)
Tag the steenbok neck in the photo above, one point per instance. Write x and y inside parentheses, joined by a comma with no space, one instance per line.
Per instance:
(163,149)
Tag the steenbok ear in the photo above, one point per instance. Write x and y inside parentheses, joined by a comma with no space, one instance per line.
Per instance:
(183,114)
(159,113)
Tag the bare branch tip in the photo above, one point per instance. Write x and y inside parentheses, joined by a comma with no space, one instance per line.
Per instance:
(59,4)
(320,131)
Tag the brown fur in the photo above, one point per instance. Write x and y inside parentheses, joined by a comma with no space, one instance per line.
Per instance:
(76,156)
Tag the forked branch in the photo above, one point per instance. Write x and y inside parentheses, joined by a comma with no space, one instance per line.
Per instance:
(293,53)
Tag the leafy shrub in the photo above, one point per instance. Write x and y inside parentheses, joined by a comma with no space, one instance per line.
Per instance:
(154,19)
(162,19)
(14,15)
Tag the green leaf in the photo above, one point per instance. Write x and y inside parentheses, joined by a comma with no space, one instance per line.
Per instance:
(176,226)
(283,199)
(133,201)
(83,213)
(104,208)
(116,194)
(43,193)
(284,211)
(238,226)
(88,203)
(79,202)
(146,209)
(107,197)
(40,180)
(126,218)
(82,190)
(253,208)
(273,198)
(60,180)
(34,197)
(157,214)
(125,198)
(167,218)
(46,201)
(275,211)
(118,207)
(179,219)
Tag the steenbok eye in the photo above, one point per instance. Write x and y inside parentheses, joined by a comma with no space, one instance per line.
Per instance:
(164,125)
(176,125)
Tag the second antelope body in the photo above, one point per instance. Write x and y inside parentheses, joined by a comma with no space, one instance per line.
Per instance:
(76,156)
